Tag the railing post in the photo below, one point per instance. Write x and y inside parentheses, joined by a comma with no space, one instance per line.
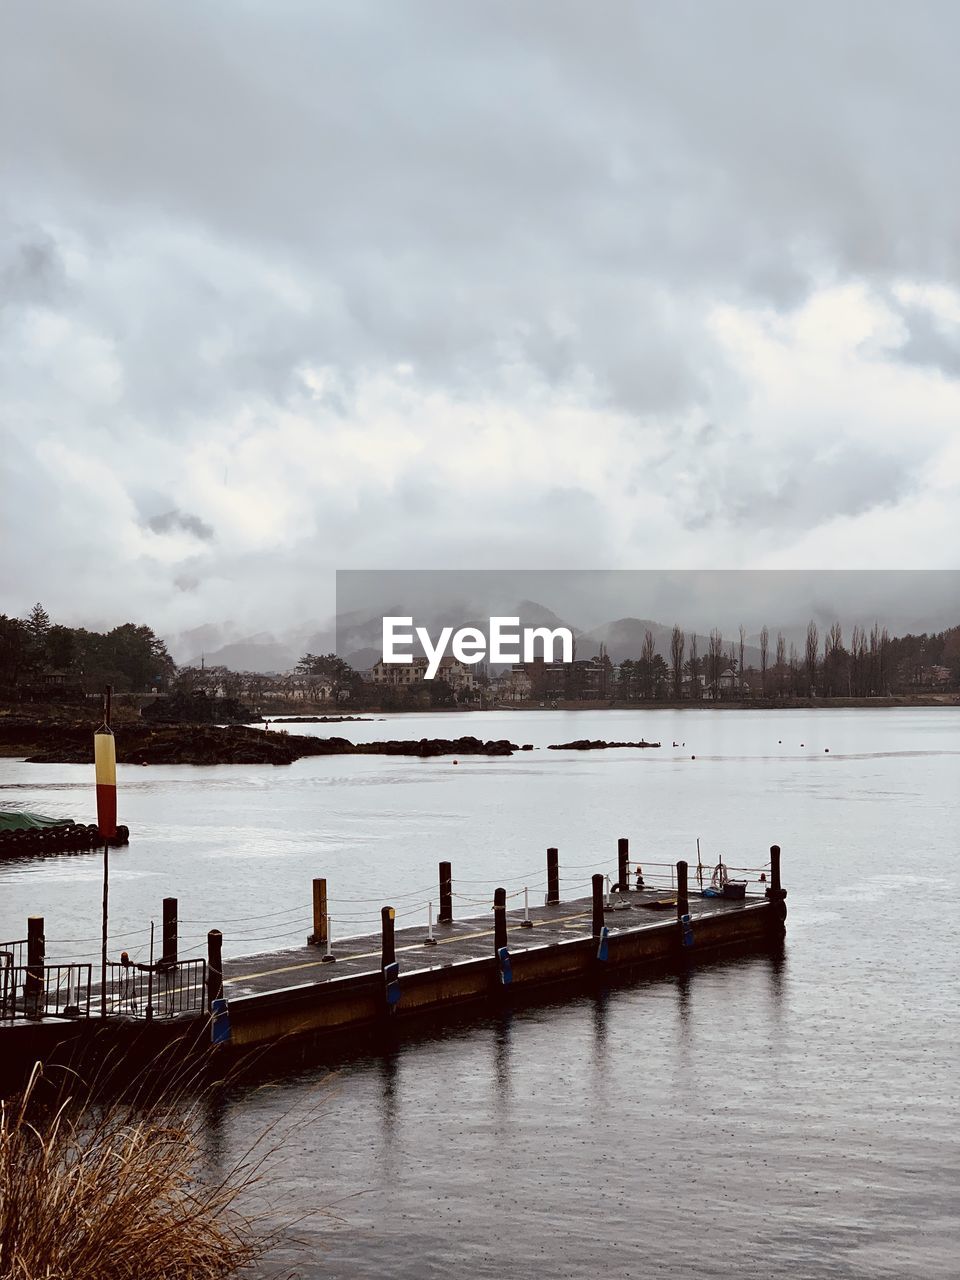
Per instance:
(168,954)
(623,863)
(774,889)
(499,920)
(319,936)
(214,967)
(36,958)
(598,883)
(445,915)
(553,877)
(429,940)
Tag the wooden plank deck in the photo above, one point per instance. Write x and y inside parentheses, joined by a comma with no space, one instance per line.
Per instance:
(467,939)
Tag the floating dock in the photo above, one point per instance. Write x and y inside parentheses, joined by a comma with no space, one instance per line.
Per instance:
(290,1004)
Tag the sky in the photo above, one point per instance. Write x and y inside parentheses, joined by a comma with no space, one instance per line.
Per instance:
(287,288)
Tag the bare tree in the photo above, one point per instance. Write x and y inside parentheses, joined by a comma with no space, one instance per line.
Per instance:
(715,661)
(647,655)
(693,666)
(781,663)
(764,656)
(677,644)
(743,643)
(810,655)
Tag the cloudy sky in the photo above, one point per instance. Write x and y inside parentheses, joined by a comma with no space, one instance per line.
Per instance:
(290,287)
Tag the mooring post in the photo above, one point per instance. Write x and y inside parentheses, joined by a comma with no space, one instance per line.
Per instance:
(597,882)
(499,920)
(445,915)
(623,864)
(553,877)
(388,948)
(319,936)
(389,968)
(776,893)
(36,957)
(214,967)
(684,927)
(168,954)
(683,902)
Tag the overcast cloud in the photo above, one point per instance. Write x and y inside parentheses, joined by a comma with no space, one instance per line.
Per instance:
(290,287)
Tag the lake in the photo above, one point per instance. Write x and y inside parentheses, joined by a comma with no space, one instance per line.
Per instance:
(793,1115)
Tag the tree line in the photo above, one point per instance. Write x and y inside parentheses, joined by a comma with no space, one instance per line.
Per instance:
(38,656)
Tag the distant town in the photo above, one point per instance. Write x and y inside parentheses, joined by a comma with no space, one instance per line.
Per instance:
(45,662)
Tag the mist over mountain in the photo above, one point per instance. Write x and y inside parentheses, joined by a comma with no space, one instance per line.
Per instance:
(356,634)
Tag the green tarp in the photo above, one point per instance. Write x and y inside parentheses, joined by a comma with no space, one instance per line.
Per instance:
(17,820)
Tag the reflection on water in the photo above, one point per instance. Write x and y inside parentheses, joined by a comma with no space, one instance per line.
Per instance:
(787,1115)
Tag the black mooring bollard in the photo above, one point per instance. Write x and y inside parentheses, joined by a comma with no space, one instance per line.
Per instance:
(214,967)
(446,894)
(553,877)
(623,864)
(683,898)
(388,949)
(597,881)
(168,954)
(777,894)
(499,920)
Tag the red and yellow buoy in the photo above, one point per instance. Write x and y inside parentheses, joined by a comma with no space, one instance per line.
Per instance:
(105,763)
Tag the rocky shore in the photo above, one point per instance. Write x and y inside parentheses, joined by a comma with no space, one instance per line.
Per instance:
(140,743)
(596,744)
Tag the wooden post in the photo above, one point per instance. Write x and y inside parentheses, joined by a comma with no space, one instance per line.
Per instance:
(36,957)
(683,902)
(446,894)
(553,877)
(623,863)
(168,953)
(214,967)
(777,894)
(499,920)
(388,948)
(597,881)
(319,936)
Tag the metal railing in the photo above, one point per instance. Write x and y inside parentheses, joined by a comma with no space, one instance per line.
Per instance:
(35,991)
(158,991)
(17,949)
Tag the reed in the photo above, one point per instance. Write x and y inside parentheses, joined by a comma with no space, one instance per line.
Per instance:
(116,1192)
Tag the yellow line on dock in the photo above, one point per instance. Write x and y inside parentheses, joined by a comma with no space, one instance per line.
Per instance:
(413,946)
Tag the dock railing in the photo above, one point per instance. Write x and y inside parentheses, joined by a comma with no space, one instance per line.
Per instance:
(158,991)
(17,950)
(50,990)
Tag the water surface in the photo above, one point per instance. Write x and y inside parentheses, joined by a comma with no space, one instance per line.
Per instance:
(791,1115)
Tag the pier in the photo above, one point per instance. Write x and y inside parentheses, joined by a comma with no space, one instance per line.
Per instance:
(330,992)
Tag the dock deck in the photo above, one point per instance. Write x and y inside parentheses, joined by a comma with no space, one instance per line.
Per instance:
(461,940)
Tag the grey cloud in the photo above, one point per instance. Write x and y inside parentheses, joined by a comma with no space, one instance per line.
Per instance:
(515,199)
(931,343)
(180,521)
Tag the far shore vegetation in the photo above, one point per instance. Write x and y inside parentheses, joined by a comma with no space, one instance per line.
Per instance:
(49,667)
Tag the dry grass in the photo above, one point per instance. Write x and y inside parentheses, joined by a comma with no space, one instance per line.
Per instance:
(113,1193)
